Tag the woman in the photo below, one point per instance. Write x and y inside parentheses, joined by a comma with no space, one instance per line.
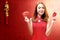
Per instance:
(38,26)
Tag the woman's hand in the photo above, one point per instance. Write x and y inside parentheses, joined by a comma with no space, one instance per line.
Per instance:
(26,19)
(25,15)
(54,17)
(49,26)
(29,22)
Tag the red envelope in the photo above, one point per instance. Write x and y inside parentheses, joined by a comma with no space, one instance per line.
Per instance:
(54,14)
(25,13)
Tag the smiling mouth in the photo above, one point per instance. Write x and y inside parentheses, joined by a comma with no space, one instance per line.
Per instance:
(42,11)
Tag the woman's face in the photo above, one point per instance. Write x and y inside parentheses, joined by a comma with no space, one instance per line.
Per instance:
(40,9)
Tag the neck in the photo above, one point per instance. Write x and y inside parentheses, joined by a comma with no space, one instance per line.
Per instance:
(39,16)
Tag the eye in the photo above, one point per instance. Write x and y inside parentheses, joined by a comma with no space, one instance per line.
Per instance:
(39,7)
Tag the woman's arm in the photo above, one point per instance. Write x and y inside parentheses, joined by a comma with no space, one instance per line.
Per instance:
(49,27)
(29,24)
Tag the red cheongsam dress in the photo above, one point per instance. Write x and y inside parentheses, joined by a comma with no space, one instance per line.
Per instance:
(39,29)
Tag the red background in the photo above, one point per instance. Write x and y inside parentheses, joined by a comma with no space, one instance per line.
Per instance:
(17,29)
